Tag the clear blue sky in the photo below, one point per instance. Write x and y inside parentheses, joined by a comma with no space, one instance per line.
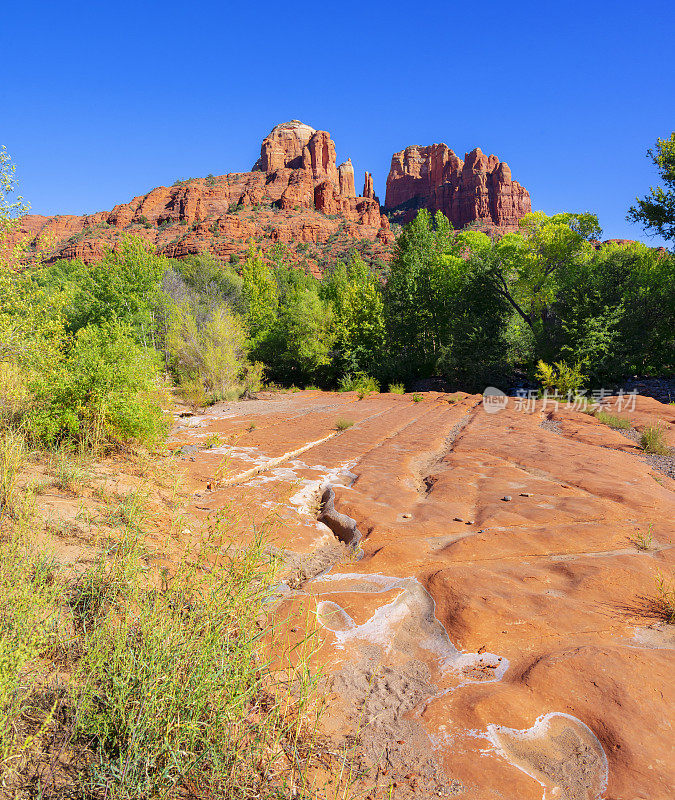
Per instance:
(104,101)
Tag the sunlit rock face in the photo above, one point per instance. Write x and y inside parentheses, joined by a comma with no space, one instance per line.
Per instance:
(478,189)
(295,194)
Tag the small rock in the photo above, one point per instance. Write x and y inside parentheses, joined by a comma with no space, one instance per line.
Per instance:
(458,519)
(526,494)
(506,498)
(471,522)
(406,516)
(192,458)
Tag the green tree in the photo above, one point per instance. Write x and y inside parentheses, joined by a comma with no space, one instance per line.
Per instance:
(212,282)
(123,286)
(354,293)
(656,211)
(302,337)
(617,312)
(413,300)
(11,244)
(261,295)
(525,269)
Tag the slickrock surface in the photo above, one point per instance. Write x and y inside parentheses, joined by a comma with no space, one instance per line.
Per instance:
(493,631)
(296,194)
(478,189)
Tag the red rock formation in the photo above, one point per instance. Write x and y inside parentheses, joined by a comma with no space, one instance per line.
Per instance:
(346,177)
(294,183)
(368,189)
(477,189)
(283,146)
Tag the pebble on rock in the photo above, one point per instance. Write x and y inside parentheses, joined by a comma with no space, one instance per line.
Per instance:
(506,498)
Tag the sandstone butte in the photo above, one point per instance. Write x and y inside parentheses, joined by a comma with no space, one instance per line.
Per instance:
(477,190)
(296,194)
(487,621)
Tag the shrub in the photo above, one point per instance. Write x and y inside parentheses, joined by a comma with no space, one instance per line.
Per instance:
(12,458)
(653,441)
(177,687)
(99,392)
(342,424)
(358,382)
(254,375)
(163,685)
(396,388)
(560,378)
(14,394)
(417,397)
(206,352)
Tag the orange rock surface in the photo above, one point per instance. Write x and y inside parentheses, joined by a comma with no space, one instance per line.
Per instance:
(496,631)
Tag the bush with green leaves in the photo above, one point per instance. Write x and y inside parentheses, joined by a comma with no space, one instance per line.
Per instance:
(122,287)
(209,351)
(358,382)
(561,378)
(100,390)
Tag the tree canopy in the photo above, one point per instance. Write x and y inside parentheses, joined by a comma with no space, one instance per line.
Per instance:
(656,211)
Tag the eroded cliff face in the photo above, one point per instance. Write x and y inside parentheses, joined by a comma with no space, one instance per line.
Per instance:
(478,189)
(295,194)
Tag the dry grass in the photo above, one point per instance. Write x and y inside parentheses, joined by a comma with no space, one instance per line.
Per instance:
(665,597)
(12,460)
(343,424)
(131,680)
(69,473)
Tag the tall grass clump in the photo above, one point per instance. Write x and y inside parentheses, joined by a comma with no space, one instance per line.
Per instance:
(343,424)
(396,388)
(653,440)
(174,690)
(12,459)
(31,627)
(620,423)
(665,598)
